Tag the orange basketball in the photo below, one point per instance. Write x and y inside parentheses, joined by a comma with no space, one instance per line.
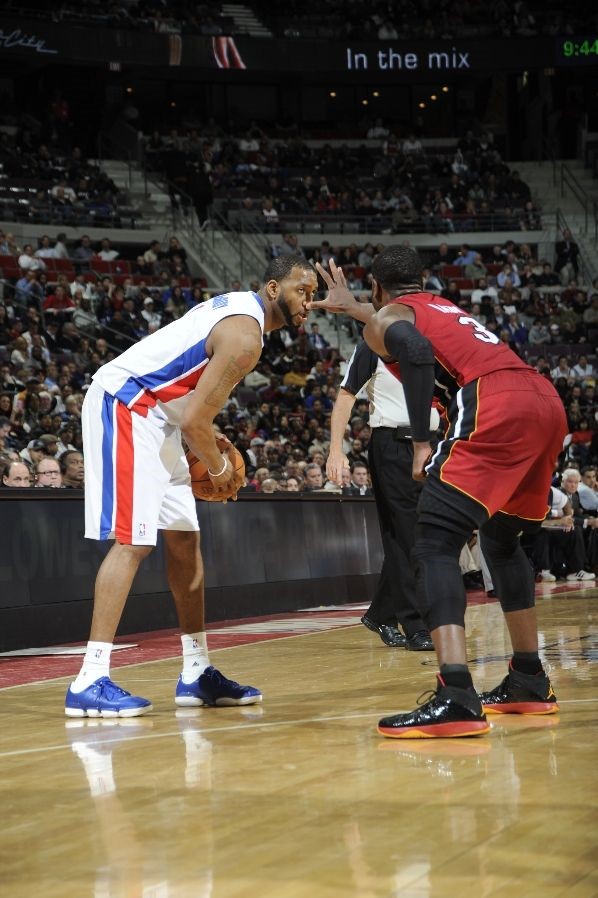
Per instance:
(200,479)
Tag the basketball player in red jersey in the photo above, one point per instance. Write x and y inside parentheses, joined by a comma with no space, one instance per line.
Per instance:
(492,471)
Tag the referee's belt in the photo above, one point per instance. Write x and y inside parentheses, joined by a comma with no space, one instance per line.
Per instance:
(400,433)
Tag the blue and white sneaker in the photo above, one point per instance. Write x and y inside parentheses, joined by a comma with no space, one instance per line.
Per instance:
(213,688)
(104,699)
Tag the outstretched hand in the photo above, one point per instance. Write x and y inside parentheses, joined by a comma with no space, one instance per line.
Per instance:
(340,299)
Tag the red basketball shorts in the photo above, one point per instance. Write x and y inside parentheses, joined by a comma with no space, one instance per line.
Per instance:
(506,431)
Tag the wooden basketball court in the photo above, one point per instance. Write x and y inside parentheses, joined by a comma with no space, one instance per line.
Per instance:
(300,798)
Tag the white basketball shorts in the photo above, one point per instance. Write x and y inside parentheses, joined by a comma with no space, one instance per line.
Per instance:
(136,476)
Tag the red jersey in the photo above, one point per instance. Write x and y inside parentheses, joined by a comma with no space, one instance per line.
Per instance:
(463,348)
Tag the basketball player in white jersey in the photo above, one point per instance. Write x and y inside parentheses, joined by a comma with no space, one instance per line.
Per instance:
(170,385)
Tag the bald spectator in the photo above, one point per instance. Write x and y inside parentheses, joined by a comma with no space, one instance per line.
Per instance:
(16,474)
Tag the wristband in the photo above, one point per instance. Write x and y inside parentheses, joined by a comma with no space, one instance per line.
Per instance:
(212,474)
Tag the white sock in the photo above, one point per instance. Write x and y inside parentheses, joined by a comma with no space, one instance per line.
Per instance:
(96,664)
(195,655)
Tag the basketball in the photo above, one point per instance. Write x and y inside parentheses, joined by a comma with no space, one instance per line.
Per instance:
(200,479)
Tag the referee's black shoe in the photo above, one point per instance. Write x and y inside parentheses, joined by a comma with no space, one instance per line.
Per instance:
(419,642)
(389,635)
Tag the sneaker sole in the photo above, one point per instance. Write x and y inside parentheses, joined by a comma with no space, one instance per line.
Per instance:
(94,712)
(437,731)
(184,701)
(522,708)
(188,701)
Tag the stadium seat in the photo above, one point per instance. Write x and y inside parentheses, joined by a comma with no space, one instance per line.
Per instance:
(451,271)
(62,265)
(100,266)
(9,267)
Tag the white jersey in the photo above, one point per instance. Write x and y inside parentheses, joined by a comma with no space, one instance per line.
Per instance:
(162,370)
(388,406)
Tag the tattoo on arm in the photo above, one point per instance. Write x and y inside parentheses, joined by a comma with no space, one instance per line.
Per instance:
(236,368)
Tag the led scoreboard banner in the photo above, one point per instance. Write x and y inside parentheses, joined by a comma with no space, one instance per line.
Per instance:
(42,42)
(577,51)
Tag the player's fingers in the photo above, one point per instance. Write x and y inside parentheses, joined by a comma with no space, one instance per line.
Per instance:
(324,275)
(337,273)
(319,304)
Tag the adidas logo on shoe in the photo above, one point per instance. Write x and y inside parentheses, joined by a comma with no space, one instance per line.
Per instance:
(581,575)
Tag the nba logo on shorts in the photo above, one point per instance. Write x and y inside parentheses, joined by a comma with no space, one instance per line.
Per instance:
(141,530)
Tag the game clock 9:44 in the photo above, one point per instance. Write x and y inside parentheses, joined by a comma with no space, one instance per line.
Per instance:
(577,50)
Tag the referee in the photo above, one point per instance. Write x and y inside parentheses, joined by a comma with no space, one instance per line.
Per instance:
(390,459)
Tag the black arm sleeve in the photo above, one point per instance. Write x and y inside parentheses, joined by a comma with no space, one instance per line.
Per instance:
(361,367)
(415,356)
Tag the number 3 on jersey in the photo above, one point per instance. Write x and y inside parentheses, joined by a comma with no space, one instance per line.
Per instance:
(480,332)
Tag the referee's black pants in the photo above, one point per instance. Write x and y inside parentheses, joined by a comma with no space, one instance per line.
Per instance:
(390,460)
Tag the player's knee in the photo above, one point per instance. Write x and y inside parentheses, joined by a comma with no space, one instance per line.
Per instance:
(139,552)
(440,590)
(512,573)
(498,544)
(434,542)
(521,600)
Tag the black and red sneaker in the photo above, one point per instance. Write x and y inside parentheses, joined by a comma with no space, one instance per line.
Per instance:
(448,713)
(521,693)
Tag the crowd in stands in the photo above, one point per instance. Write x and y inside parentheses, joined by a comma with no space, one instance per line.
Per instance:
(60,320)
(427,20)
(172,17)
(362,19)
(388,184)
(53,183)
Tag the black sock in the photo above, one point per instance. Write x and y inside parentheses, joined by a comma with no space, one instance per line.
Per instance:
(527,663)
(456,675)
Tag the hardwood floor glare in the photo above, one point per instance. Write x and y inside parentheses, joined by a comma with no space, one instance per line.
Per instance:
(300,797)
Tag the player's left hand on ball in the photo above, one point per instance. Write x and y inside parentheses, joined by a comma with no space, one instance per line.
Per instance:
(221,481)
